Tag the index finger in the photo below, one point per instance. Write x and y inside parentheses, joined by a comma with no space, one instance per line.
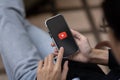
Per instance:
(60,56)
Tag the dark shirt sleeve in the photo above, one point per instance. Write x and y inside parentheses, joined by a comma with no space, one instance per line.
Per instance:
(114,74)
(112,61)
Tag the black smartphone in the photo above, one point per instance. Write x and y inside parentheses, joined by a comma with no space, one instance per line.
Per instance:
(61,34)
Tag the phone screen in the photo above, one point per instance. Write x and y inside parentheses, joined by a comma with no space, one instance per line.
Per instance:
(61,34)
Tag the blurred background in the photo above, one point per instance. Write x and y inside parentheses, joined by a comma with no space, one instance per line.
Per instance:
(84,16)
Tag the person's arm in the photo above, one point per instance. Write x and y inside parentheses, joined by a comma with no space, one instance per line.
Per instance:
(99,56)
(19,54)
(104,57)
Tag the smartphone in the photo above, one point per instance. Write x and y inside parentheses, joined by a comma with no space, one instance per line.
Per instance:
(61,34)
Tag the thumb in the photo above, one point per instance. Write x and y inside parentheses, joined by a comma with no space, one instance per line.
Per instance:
(65,71)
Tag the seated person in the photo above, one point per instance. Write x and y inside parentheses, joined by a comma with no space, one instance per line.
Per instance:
(53,71)
(22,45)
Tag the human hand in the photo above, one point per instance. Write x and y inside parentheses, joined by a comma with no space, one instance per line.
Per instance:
(84,46)
(48,70)
(85,49)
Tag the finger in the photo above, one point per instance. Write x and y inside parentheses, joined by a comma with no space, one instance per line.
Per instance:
(50,61)
(77,34)
(40,64)
(60,56)
(73,32)
(46,62)
(77,40)
(55,54)
(65,70)
(53,44)
(55,50)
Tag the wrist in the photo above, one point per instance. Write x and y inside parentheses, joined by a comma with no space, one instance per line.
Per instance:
(98,56)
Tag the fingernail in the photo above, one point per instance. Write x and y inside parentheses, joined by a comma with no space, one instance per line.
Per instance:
(61,48)
(67,62)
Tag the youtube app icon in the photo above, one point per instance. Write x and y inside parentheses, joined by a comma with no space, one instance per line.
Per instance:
(62,35)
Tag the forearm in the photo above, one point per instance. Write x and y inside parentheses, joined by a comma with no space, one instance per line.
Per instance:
(99,56)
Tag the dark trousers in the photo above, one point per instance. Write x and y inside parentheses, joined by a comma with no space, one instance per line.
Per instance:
(84,71)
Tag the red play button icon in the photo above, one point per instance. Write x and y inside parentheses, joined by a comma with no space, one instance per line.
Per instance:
(62,35)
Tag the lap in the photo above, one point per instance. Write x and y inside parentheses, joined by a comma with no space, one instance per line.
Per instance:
(85,71)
